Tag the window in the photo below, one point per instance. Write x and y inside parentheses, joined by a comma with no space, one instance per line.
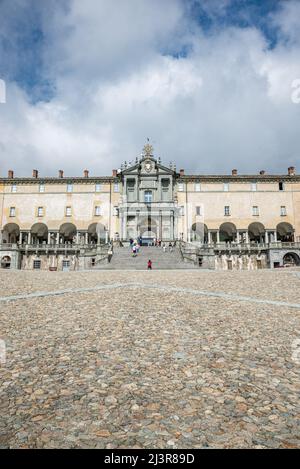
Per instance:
(281,186)
(254,186)
(283,212)
(198,211)
(37,264)
(148,197)
(226,187)
(182,210)
(226,210)
(69,187)
(255,211)
(97,211)
(180,186)
(42,188)
(68,211)
(197,187)
(98,187)
(12,211)
(14,188)
(65,264)
(40,211)
(116,187)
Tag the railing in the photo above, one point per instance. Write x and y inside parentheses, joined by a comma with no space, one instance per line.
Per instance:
(196,246)
(53,247)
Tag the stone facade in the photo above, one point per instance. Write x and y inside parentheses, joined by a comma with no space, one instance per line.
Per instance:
(64,221)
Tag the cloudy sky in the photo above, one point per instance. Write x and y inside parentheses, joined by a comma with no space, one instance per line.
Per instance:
(210,82)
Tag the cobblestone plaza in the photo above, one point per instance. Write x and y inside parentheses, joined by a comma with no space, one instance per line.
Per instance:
(161,359)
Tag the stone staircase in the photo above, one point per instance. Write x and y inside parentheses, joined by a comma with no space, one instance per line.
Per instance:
(123,260)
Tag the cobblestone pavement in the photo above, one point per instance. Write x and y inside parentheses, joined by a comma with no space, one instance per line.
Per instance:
(126,360)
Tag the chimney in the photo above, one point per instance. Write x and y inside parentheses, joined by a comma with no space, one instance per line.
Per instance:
(114,173)
(10,174)
(35,173)
(60,173)
(234,172)
(262,172)
(291,171)
(86,173)
(181,172)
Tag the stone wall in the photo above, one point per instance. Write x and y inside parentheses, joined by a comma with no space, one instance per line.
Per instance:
(241,261)
(50,261)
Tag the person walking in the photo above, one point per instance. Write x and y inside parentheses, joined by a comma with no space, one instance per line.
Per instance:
(109,254)
(134,251)
(149,264)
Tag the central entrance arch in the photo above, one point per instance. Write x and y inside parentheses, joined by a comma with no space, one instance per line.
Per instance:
(148,228)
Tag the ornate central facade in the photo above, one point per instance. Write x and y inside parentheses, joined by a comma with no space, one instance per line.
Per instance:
(51,222)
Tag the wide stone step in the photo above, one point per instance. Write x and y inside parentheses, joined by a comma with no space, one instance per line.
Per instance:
(123,260)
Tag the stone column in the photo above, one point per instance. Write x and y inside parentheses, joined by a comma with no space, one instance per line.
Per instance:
(124,226)
(218,236)
(57,237)
(106,237)
(49,237)
(275,236)
(20,238)
(172,225)
(247,237)
(86,238)
(209,237)
(266,237)
(77,237)
(29,237)
(137,224)
(238,239)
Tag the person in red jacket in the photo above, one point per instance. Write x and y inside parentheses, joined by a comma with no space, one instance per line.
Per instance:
(149,264)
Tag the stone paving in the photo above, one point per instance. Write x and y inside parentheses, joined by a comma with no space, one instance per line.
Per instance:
(141,360)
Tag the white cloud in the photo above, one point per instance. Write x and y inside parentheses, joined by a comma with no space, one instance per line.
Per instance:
(226,104)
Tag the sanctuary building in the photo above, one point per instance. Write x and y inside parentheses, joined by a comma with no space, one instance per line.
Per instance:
(64,222)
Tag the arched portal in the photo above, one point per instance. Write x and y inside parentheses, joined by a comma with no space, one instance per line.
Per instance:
(227,232)
(148,228)
(285,232)
(199,232)
(67,233)
(11,233)
(39,233)
(5,262)
(256,232)
(93,234)
(291,259)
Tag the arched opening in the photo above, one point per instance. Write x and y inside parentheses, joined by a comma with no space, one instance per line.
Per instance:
(148,229)
(285,232)
(11,233)
(39,233)
(67,233)
(5,262)
(199,232)
(97,233)
(227,232)
(256,232)
(93,233)
(291,259)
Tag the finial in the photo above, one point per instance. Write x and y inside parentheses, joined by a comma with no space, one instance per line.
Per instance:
(147,150)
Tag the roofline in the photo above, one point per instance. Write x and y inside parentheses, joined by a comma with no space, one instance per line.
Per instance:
(183,178)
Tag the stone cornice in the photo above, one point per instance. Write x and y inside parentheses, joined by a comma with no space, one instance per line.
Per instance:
(184,178)
(54,180)
(241,178)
